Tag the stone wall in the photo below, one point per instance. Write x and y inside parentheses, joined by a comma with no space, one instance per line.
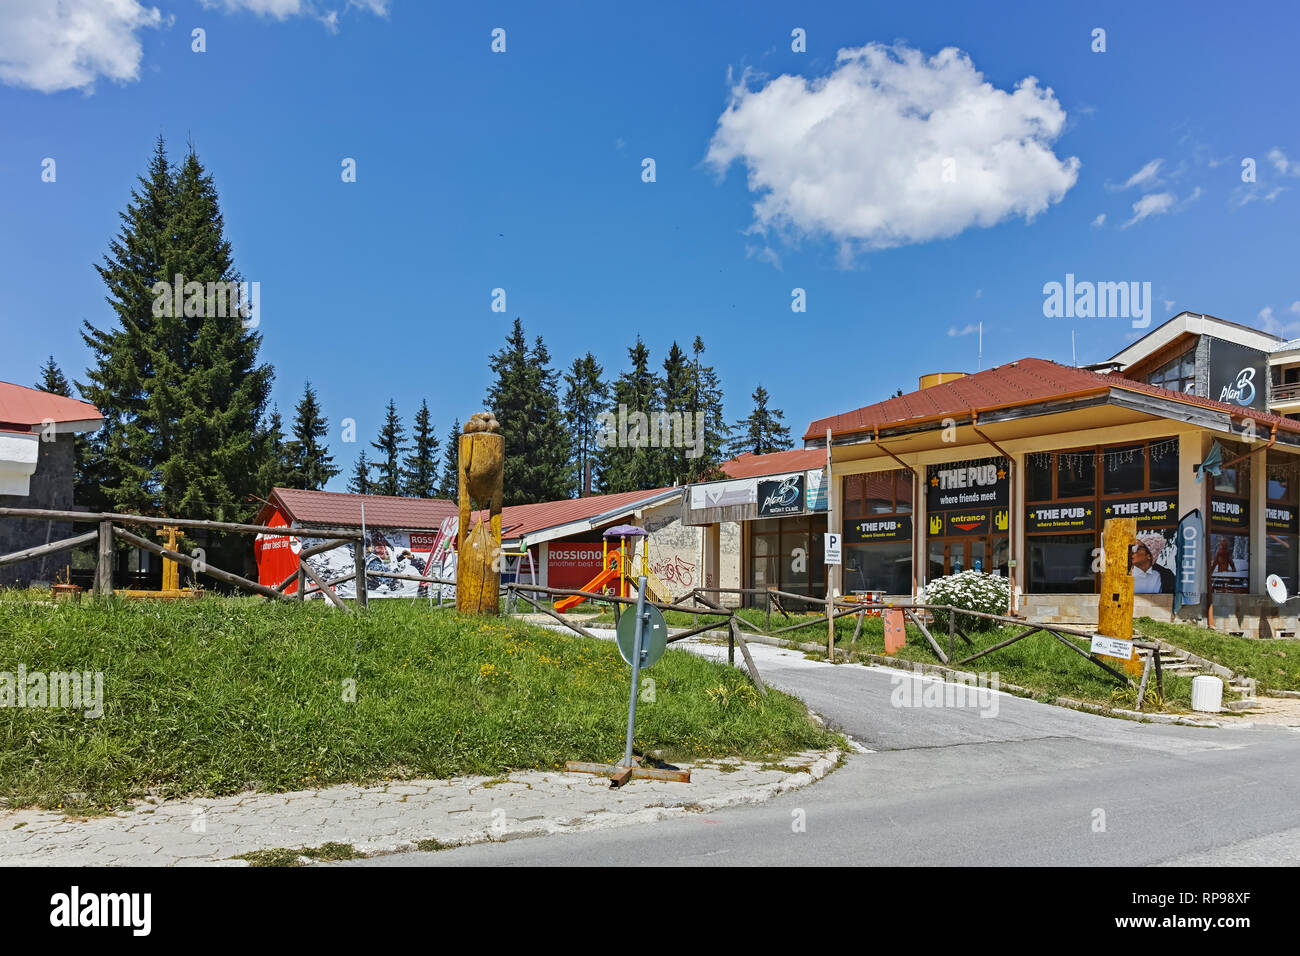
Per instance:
(51,487)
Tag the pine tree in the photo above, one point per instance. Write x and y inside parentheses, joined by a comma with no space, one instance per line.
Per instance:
(762,432)
(524,398)
(119,470)
(52,380)
(360,483)
(391,446)
(207,393)
(705,395)
(673,464)
(277,469)
(637,390)
(585,398)
(449,482)
(420,469)
(183,396)
(311,464)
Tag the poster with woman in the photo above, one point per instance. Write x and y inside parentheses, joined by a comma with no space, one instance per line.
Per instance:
(1230,563)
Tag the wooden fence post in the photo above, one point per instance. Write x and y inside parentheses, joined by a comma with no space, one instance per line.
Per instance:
(104,564)
(359,582)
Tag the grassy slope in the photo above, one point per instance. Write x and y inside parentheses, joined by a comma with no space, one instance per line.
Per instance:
(1039,662)
(1274,664)
(212,696)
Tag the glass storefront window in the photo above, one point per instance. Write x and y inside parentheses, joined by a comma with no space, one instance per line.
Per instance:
(1125,471)
(1282,559)
(879,567)
(903,492)
(1038,477)
(1061,563)
(1076,475)
(1164,466)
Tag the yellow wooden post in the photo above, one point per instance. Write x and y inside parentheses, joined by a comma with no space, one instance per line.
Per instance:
(171,571)
(1115,605)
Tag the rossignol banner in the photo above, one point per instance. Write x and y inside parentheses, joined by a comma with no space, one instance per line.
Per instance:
(983,483)
(1191,545)
(416,553)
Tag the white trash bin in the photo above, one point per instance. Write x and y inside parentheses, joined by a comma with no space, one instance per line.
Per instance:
(1207,694)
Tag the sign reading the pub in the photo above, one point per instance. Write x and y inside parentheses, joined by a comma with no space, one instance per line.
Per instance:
(968,485)
(1281,518)
(1148,510)
(1238,375)
(780,496)
(1229,513)
(1060,518)
(877,529)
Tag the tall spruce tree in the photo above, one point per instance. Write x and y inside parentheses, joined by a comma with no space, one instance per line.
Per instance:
(449,480)
(420,468)
(360,483)
(183,395)
(52,380)
(277,468)
(585,397)
(538,465)
(311,464)
(705,395)
(391,447)
(629,463)
(761,433)
(674,466)
(119,472)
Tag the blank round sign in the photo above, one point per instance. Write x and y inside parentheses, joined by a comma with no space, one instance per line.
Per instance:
(654,636)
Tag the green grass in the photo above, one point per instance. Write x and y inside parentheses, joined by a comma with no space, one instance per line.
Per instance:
(1039,663)
(215,696)
(1274,664)
(283,856)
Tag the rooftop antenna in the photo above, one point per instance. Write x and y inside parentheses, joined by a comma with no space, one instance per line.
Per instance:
(1074,359)
(980,367)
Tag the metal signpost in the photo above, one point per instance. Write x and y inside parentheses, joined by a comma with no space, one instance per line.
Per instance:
(642,637)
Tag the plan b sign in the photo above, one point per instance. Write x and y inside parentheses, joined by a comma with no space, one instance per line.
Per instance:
(1238,375)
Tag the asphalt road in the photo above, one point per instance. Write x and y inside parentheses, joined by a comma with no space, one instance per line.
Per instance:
(1033,785)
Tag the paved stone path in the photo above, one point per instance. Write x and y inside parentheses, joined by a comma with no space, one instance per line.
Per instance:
(392,818)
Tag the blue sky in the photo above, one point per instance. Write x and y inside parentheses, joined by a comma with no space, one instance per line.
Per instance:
(522,170)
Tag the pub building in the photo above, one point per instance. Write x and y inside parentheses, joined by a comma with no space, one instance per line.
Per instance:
(1015,469)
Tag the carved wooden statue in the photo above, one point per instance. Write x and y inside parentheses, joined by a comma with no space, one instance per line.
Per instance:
(1115,602)
(482,462)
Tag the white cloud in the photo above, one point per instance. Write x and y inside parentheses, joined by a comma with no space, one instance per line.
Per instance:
(1099,221)
(1152,204)
(1287,167)
(1144,177)
(968,329)
(1270,322)
(50,47)
(892,148)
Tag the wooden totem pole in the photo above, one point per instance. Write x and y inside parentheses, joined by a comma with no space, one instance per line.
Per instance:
(478,549)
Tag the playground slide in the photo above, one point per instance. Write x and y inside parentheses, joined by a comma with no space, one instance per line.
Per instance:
(595,584)
(655,589)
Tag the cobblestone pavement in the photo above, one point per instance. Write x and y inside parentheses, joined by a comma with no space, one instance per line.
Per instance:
(386,819)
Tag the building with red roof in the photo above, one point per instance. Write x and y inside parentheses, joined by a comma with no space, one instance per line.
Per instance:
(1014,470)
(37,471)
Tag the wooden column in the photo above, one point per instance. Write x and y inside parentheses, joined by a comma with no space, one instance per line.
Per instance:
(359,562)
(104,565)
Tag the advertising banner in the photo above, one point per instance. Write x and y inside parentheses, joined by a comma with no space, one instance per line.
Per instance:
(1238,374)
(865,530)
(1232,514)
(1148,509)
(1060,518)
(781,496)
(967,485)
(1191,538)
